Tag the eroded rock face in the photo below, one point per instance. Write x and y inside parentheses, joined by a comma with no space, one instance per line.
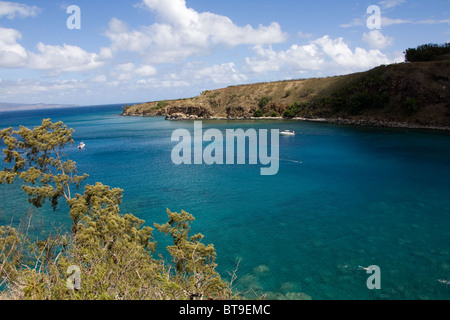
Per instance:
(188,112)
(182,116)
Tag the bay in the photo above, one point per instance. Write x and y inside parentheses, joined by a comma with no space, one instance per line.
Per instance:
(344,197)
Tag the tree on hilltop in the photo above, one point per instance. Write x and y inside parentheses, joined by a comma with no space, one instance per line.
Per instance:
(427,52)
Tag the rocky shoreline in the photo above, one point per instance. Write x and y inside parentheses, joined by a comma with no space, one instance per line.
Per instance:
(338,121)
(384,124)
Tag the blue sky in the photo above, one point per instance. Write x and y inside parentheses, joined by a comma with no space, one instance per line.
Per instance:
(145,50)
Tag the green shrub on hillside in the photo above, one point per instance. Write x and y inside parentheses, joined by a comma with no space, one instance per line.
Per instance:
(258,113)
(161,105)
(411,105)
(295,110)
(263,102)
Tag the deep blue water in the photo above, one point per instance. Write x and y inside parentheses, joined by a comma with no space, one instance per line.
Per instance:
(361,196)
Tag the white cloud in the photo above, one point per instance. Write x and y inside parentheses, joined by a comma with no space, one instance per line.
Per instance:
(296,58)
(376,40)
(385,21)
(194,74)
(324,54)
(105,54)
(54,59)
(37,90)
(128,71)
(146,71)
(301,34)
(125,67)
(65,58)
(12,9)
(434,21)
(12,54)
(344,58)
(387,4)
(99,78)
(198,27)
(161,83)
(218,73)
(184,32)
(124,39)
(357,22)
(124,72)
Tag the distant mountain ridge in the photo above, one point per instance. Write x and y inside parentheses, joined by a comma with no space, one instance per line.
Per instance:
(5,106)
(399,95)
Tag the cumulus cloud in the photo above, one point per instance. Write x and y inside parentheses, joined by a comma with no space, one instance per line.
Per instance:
(12,54)
(124,39)
(146,71)
(128,71)
(54,59)
(343,57)
(65,58)
(218,73)
(325,53)
(100,78)
(183,32)
(194,74)
(376,40)
(201,27)
(296,58)
(12,9)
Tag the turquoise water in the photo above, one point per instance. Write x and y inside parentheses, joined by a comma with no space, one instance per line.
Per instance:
(361,196)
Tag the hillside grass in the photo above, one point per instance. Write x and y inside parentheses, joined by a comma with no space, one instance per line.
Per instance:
(417,93)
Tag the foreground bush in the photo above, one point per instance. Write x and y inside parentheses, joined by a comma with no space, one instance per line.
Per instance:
(106,255)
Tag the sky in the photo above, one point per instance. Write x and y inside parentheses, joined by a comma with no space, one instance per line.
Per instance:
(110,52)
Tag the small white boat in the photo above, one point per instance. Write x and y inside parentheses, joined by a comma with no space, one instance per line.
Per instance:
(81,145)
(287,133)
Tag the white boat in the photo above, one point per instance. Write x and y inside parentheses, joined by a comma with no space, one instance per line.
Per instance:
(287,133)
(81,145)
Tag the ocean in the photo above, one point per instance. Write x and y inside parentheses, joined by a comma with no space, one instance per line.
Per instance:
(343,197)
